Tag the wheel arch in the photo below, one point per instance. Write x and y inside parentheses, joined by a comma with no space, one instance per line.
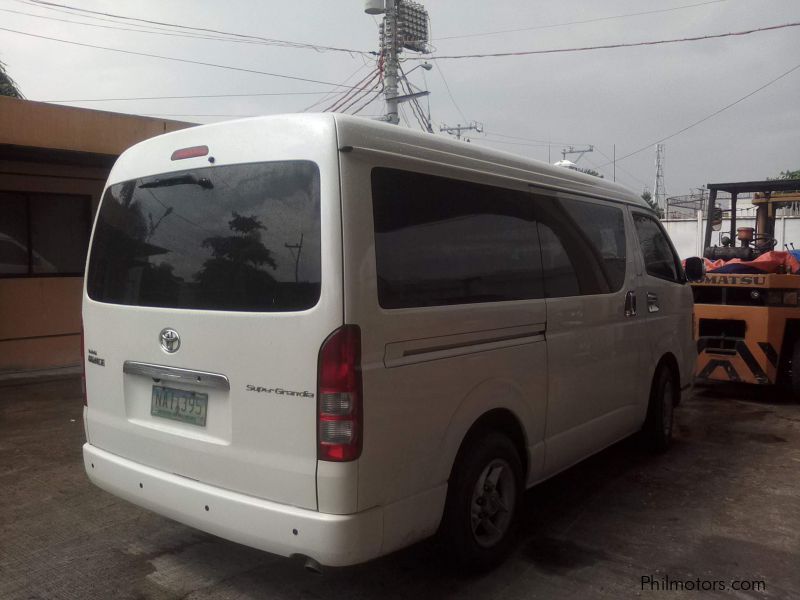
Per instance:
(503,421)
(669,361)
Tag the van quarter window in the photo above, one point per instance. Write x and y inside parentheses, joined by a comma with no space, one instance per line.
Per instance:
(441,241)
(659,258)
(583,246)
(237,237)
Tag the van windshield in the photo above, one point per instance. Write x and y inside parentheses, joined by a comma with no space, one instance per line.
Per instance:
(236,237)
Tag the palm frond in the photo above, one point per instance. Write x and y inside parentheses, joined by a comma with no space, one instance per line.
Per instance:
(8,86)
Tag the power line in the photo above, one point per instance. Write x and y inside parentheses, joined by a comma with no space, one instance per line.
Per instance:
(141,29)
(359,96)
(365,86)
(524,139)
(172,58)
(378,86)
(449,92)
(189,115)
(285,43)
(187,97)
(370,101)
(416,108)
(707,117)
(332,93)
(611,46)
(526,144)
(582,22)
(621,168)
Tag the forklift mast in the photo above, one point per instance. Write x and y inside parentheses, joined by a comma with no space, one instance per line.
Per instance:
(769,196)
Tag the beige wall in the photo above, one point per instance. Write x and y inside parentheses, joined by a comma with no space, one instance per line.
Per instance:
(40,125)
(41,322)
(40,317)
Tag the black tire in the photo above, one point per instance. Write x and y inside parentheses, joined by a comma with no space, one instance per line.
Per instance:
(478,525)
(657,430)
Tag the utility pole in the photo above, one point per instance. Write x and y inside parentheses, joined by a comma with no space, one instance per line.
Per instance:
(572,150)
(391,64)
(473,126)
(660,194)
(404,27)
(299,248)
(614,161)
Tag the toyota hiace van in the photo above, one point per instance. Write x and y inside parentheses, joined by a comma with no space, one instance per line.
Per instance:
(328,337)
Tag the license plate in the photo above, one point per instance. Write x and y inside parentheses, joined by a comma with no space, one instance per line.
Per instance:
(179,405)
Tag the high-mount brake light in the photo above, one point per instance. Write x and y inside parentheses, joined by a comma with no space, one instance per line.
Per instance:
(339,397)
(192,152)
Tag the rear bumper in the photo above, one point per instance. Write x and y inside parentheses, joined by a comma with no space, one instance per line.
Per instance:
(332,540)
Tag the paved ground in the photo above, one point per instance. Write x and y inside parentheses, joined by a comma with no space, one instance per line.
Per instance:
(722,505)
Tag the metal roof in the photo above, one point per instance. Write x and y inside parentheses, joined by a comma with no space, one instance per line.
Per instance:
(770,185)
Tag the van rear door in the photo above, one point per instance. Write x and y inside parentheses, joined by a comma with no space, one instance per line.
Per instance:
(209,293)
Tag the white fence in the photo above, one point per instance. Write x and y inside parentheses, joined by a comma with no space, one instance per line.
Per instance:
(687,234)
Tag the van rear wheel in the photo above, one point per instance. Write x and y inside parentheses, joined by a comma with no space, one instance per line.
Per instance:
(657,430)
(483,499)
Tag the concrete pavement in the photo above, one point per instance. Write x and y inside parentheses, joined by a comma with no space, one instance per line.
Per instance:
(722,506)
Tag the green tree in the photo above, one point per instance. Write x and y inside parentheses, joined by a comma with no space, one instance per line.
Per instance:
(790,174)
(589,172)
(7,85)
(648,197)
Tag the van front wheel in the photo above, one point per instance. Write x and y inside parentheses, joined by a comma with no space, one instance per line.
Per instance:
(483,498)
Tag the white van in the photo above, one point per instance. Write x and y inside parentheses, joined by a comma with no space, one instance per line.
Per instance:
(328,337)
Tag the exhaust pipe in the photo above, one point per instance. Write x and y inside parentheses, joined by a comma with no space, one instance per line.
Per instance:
(312,566)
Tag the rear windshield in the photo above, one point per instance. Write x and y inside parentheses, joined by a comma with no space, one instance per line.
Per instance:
(237,237)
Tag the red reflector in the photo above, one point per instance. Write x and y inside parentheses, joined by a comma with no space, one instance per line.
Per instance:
(339,410)
(190,152)
(83,368)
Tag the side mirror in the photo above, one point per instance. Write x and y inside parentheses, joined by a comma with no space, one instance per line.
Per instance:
(695,268)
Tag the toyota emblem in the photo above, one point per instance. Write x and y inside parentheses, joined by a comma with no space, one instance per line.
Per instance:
(170,340)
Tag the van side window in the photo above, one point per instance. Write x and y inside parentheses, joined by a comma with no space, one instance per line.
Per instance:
(659,258)
(560,278)
(441,241)
(585,237)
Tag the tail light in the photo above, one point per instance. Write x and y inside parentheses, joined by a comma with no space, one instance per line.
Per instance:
(83,368)
(339,406)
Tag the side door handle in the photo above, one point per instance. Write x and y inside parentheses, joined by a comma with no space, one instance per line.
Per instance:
(652,302)
(630,304)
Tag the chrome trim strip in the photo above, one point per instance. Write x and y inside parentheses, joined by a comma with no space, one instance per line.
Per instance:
(163,372)
(465,344)
(414,351)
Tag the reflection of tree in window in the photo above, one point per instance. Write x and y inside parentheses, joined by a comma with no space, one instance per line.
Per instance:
(186,229)
(235,272)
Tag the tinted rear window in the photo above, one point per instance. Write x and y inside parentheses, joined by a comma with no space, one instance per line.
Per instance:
(237,237)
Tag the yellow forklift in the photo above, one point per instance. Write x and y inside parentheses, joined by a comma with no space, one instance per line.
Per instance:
(747,304)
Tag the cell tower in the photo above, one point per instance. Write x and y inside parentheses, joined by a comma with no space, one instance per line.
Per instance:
(660,196)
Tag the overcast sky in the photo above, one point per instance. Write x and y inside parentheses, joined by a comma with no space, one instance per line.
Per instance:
(630,97)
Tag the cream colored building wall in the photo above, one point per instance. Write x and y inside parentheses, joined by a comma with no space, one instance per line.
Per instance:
(40,125)
(40,317)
